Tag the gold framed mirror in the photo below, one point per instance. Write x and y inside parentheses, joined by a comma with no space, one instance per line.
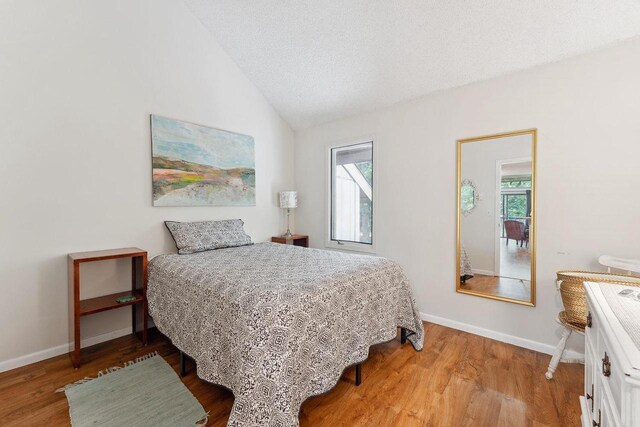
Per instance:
(495,240)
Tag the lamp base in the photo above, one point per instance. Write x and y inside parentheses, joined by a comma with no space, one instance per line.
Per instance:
(288,234)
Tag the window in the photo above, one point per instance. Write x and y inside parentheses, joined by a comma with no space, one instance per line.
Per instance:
(514,206)
(351,199)
(515,202)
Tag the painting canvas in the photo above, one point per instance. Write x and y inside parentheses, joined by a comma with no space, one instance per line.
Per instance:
(196,165)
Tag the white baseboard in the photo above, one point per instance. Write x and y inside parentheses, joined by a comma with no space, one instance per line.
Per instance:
(60,349)
(484,272)
(499,336)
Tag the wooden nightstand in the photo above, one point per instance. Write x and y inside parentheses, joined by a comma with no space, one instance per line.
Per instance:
(296,240)
(79,307)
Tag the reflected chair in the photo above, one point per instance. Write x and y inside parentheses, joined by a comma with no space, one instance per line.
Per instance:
(515,230)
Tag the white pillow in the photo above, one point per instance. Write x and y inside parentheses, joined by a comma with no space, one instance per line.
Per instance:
(191,237)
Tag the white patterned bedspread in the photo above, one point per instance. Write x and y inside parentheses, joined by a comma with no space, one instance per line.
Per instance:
(276,323)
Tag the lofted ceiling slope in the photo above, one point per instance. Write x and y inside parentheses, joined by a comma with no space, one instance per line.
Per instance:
(317,61)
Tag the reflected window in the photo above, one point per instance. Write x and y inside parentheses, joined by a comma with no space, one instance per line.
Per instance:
(514,206)
(516,181)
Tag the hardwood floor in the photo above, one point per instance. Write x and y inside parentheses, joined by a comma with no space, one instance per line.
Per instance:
(458,379)
(500,286)
(515,261)
(514,278)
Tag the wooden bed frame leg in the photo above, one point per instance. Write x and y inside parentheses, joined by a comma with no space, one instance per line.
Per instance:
(358,374)
(403,335)
(183,365)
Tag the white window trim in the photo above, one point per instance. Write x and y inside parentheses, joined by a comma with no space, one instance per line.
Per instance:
(350,246)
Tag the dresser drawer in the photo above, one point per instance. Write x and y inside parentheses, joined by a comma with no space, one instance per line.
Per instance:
(616,379)
(610,418)
(612,375)
(593,326)
(591,375)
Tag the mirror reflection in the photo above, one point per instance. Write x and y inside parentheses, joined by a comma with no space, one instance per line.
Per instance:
(468,197)
(495,216)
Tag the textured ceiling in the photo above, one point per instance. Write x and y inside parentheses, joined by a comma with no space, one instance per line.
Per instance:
(321,60)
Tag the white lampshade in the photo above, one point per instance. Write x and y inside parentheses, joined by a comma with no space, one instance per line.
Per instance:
(288,199)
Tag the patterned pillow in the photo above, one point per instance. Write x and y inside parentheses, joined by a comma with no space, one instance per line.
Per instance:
(191,237)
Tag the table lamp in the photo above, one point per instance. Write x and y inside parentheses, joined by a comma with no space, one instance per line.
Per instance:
(288,201)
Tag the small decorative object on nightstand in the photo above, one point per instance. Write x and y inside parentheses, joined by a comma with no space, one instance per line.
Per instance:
(288,201)
(136,296)
(295,239)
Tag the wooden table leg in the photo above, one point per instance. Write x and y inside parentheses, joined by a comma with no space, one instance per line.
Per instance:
(139,284)
(145,306)
(74,268)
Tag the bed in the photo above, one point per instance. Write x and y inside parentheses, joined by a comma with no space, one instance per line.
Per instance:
(277,323)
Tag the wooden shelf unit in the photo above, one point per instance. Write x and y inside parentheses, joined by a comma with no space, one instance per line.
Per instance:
(107,302)
(79,308)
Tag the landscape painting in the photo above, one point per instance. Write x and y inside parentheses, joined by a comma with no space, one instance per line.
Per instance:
(196,165)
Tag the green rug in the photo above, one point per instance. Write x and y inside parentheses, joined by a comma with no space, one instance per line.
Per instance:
(145,392)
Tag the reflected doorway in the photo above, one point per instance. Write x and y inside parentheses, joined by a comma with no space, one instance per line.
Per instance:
(513,190)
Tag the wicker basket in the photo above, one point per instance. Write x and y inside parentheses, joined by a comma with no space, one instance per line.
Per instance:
(573,293)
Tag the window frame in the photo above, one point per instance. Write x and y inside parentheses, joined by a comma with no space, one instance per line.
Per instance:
(347,245)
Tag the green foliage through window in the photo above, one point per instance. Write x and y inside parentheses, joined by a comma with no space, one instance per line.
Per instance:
(516,181)
(516,205)
(367,170)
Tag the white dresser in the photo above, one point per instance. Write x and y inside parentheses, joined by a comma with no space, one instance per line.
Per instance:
(612,358)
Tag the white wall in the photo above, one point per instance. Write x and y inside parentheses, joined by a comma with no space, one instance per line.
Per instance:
(478,228)
(78,80)
(587,111)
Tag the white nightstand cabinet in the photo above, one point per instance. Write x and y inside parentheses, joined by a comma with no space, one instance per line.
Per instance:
(612,359)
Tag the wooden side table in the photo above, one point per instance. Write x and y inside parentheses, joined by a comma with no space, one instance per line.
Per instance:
(296,240)
(79,307)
